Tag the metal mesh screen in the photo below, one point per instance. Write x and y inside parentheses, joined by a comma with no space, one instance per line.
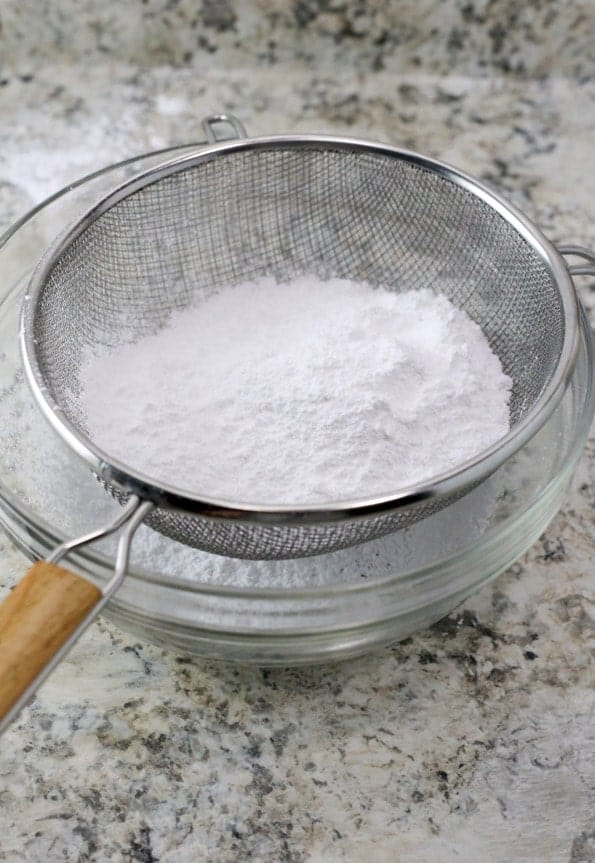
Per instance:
(289,210)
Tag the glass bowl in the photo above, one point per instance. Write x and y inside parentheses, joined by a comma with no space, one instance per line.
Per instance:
(277,612)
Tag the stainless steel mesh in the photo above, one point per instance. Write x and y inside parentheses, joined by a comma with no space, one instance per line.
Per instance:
(288,208)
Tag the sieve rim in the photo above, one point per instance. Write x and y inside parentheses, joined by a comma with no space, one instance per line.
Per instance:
(118,474)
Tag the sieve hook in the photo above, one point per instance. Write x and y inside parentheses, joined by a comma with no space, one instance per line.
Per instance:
(49,610)
(213,120)
(579,252)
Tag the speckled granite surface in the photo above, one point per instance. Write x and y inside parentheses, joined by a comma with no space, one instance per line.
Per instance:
(473,740)
(476,37)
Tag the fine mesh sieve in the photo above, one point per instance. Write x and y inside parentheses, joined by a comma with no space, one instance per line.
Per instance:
(234,212)
(288,206)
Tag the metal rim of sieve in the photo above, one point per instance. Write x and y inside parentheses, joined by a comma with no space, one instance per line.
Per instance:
(120,476)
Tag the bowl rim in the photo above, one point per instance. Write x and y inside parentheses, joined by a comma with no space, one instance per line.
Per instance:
(121,476)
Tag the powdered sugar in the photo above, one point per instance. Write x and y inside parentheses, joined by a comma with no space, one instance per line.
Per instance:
(51,480)
(298,393)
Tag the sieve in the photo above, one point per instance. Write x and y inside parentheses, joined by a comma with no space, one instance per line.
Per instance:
(232,212)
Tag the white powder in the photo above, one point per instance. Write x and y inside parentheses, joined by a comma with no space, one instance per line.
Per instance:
(298,393)
(57,485)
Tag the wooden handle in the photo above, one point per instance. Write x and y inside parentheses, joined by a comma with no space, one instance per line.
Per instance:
(35,621)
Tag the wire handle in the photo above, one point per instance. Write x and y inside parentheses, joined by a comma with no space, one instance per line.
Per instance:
(209,123)
(49,610)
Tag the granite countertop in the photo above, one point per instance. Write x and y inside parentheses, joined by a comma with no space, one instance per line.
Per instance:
(474,739)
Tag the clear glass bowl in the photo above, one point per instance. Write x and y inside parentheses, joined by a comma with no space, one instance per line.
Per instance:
(285,613)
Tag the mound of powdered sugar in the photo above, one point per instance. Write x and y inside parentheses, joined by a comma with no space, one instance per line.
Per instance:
(299,393)
(55,484)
